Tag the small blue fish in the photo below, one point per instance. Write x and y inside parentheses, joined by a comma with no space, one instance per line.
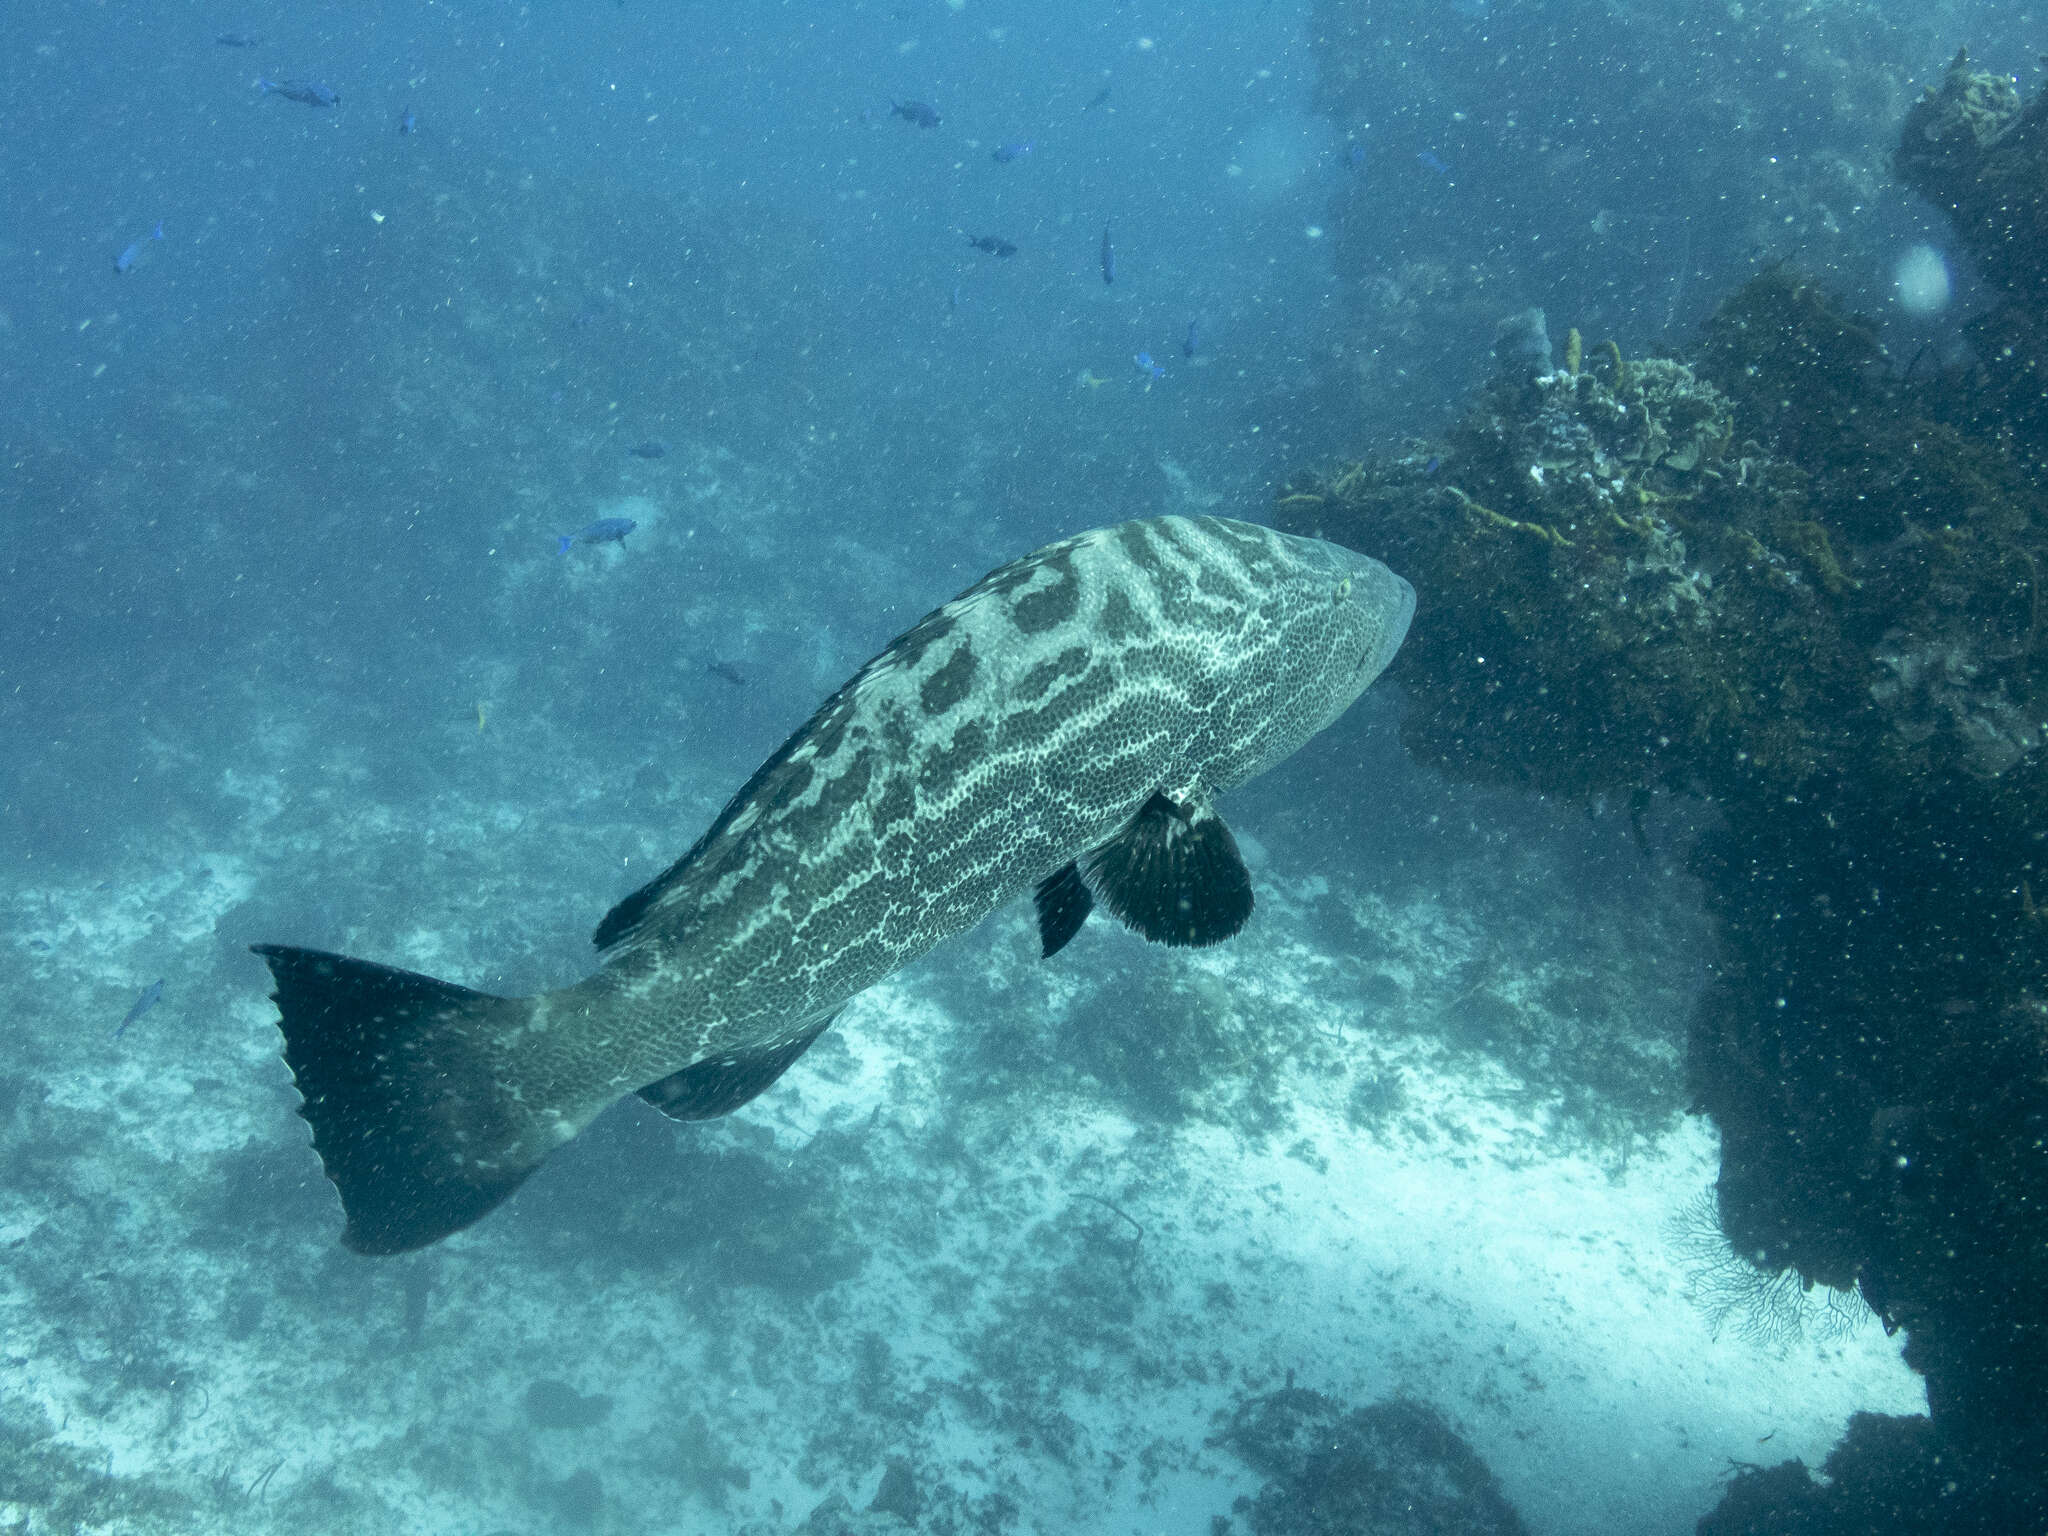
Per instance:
(1003,154)
(151,996)
(1433,465)
(1108,258)
(1432,163)
(922,113)
(653,448)
(606,530)
(1354,156)
(311,92)
(406,121)
(127,258)
(1191,343)
(1147,366)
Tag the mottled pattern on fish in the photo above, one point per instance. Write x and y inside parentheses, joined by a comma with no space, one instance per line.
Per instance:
(1111,682)
(1022,724)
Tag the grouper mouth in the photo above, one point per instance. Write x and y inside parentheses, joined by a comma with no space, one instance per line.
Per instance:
(1375,660)
(1059,731)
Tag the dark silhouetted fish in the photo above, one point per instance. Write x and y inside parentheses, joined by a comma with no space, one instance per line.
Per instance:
(1191,343)
(728,672)
(1062,727)
(1097,99)
(653,448)
(151,996)
(921,113)
(1003,154)
(133,251)
(407,121)
(991,244)
(606,530)
(311,92)
(1108,257)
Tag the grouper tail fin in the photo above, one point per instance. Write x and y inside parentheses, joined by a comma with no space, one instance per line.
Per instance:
(409,1117)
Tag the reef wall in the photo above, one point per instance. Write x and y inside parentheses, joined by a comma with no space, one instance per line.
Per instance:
(1973,150)
(1805,584)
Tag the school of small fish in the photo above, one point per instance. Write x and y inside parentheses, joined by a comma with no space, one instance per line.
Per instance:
(921,114)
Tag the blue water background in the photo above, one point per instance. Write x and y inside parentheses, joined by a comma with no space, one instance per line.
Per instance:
(231,471)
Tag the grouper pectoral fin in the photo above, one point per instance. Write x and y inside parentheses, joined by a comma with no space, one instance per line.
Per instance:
(1173,875)
(409,1116)
(1063,903)
(719,1085)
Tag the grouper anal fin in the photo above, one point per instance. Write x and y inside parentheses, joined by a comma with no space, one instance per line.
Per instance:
(718,1085)
(403,1103)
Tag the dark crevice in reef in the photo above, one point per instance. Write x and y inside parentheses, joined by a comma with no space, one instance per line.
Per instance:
(1804,582)
(1389,1468)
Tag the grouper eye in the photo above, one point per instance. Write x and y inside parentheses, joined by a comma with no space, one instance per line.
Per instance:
(1344,587)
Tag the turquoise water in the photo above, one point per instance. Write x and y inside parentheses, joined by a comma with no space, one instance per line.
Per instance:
(287,652)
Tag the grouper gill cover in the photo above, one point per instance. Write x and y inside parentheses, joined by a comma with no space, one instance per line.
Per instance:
(1062,727)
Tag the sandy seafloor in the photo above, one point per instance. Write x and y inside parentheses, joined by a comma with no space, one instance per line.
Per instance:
(1415,1132)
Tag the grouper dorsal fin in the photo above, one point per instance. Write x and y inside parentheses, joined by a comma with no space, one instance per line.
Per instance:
(1173,875)
(619,923)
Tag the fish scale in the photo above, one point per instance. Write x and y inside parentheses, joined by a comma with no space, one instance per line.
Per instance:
(1064,725)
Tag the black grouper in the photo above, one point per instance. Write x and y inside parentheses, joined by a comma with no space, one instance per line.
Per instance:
(1063,725)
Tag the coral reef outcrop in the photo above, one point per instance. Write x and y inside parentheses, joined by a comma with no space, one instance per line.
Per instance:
(1791,579)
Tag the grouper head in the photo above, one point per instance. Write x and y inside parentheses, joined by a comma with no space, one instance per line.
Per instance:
(1370,610)
(1296,629)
